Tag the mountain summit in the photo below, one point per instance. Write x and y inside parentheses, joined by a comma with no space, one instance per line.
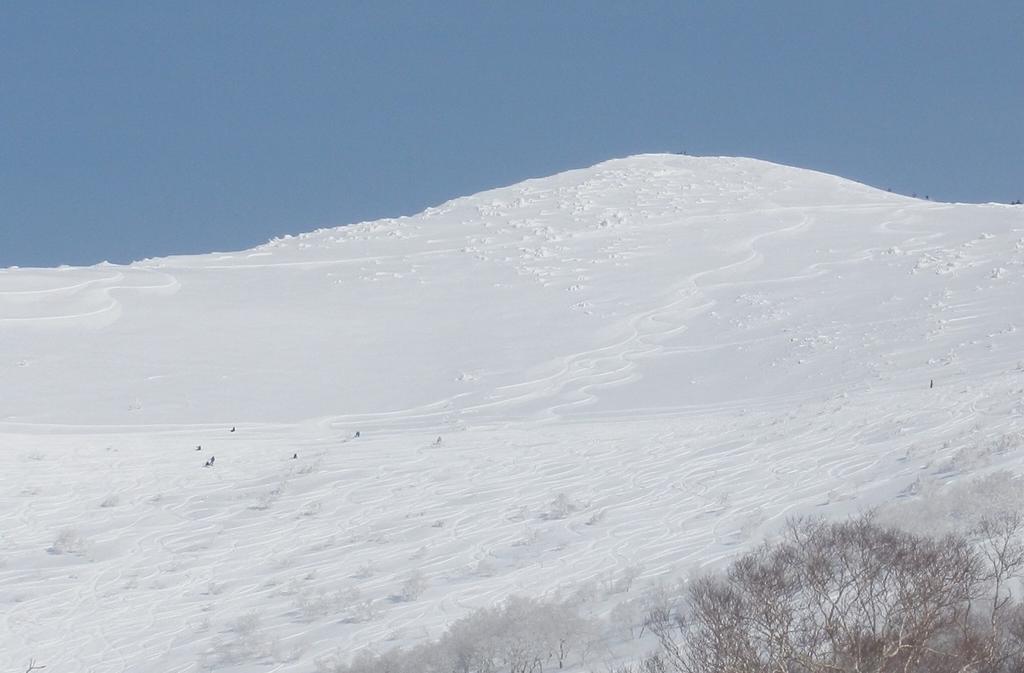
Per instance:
(678,280)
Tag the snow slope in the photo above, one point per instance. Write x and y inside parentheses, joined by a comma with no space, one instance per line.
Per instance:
(651,362)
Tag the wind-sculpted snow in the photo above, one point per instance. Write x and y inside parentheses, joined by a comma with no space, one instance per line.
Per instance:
(649,363)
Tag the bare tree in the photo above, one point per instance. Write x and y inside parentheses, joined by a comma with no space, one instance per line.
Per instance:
(858,597)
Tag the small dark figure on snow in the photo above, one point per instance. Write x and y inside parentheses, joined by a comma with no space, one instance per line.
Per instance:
(931,384)
(437,442)
(199,447)
(206,464)
(232,428)
(212,458)
(357,434)
(294,456)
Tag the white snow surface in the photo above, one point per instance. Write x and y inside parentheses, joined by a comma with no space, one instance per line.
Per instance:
(650,362)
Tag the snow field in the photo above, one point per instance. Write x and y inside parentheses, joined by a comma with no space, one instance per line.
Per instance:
(640,368)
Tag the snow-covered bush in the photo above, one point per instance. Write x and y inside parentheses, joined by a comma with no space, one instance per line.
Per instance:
(313,604)
(622,581)
(561,507)
(413,586)
(246,640)
(957,508)
(68,541)
(520,635)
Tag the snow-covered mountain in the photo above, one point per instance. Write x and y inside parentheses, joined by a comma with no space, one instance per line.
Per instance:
(649,363)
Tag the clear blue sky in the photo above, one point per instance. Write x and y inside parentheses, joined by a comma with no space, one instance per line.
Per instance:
(138,129)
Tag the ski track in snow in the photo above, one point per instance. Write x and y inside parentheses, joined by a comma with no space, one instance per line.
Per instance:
(653,362)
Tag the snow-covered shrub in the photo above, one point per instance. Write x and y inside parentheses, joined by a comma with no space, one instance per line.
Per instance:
(312,604)
(413,586)
(521,635)
(243,640)
(68,541)
(623,581)
(956,508)
(364,571)
(362,611)
(484,568)
(628,618)
(561,507)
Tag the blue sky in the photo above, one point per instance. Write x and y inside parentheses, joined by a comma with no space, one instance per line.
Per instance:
(130,130)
